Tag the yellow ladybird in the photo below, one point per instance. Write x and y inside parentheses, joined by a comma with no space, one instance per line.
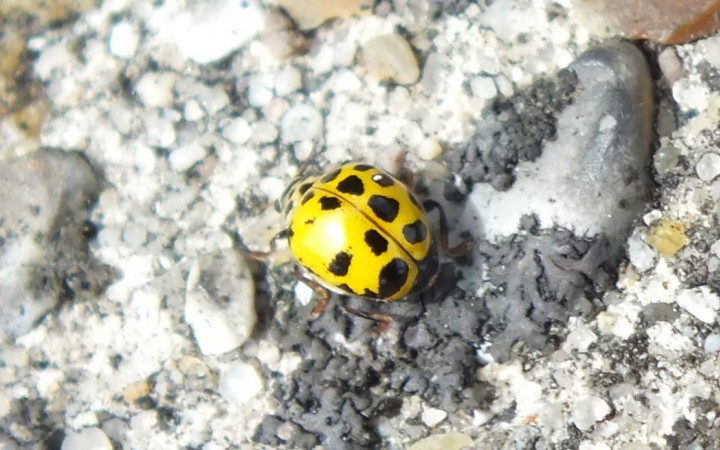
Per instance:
(359,231)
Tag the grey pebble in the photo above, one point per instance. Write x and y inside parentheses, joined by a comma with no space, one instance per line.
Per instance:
(44,201)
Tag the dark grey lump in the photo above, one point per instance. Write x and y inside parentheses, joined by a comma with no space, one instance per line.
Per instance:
(539,278)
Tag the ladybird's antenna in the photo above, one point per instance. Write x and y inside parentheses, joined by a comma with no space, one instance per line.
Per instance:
(312,163)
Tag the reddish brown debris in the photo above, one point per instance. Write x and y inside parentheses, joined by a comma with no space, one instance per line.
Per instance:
(664,21)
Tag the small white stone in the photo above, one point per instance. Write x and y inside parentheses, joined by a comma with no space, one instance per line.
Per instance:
(124,40)
(239,383)
(272,187)
(260,90)
(193,112)
(303,293)
(212,30)
(712,343)
(220,302)
(155,89)
(708,167)
(652,217)
(429,149)
(700,302)
(588,411)
(301,123)
(641,255)
(237,131)
(580,338)
(432,416)
(445,441)
(87,439)
(287,80)
(715,248)
(263,132)
(183,158)
(483,87)
(389,56)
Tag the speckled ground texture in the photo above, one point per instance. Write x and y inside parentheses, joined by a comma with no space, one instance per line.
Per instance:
(584,167)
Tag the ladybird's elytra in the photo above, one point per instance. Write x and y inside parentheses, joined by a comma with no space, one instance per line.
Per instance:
(359,231)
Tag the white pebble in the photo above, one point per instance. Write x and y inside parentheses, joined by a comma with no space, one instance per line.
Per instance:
(260,90)
(155,89)
(239,383)
(212,30)
(588,411)
(237,131)
(183,158)
(712,343)
(303,293)
(87,439)
(124,40)
(483,87)
(193,112)
(301,123)
(708,167)
(220,302)
(287,80)
(263,132)
(429,149)
(389,56)
(447,441)
(700,302)
(641,256)
(432,416)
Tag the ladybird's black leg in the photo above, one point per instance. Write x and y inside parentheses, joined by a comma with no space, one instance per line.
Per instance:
(383,321)
(319,290)
(256,254)
(462,248)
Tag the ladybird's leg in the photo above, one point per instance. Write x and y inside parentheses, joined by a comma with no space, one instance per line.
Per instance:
(319,290)
(383,321)
(462,248)
(256,254)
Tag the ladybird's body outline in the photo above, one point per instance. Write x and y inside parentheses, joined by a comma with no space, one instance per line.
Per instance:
(359,231)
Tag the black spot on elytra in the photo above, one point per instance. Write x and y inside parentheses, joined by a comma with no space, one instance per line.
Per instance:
(385,208)
(362,167)
(304,188)
(340,264)
(377,243)
(383,180)
(330,176)
(393,277)
(345,288)
(351,185)
(369,293)
(328,203)
(415,232)
(307,197)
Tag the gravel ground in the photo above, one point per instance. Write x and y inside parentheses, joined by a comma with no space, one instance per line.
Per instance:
(155,137)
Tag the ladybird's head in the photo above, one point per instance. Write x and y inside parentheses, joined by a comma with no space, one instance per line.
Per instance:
(291,197)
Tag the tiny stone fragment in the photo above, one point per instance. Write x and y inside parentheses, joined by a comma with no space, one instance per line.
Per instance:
(309,14)
(587,412)
(447,441)
(700,302)
(668,238)
(433,416)
(642,257)
(712,343)
(301,123)
(239,383)
(389,57)
(220,302)
(708,167)
(87,439)
(212,30)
